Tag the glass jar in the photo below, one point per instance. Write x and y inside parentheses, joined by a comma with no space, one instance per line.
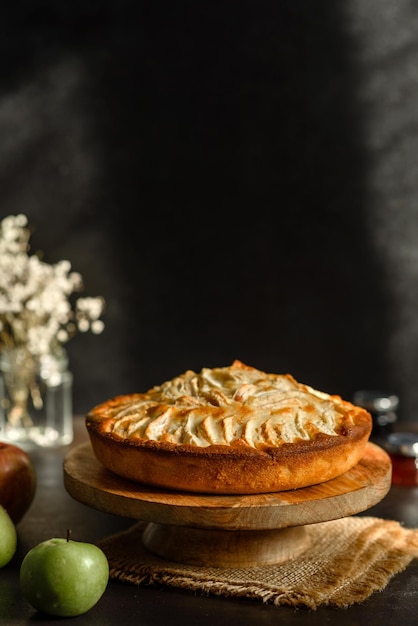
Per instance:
(35,399)
(402,448)
(382,407)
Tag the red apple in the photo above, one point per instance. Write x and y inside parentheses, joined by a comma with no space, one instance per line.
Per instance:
(17,480)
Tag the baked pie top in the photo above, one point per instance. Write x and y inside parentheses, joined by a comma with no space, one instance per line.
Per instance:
(227,406)
(229,430)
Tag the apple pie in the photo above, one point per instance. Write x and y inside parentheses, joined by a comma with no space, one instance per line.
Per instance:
(229,430)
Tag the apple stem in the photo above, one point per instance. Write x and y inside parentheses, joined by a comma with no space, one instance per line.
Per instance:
(68,534)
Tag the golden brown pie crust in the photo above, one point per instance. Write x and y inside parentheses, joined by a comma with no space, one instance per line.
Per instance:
(229,430)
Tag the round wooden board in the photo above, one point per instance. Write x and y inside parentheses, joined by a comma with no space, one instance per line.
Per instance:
(87,481)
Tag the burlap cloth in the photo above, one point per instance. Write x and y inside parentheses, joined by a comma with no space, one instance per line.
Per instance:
(347,560)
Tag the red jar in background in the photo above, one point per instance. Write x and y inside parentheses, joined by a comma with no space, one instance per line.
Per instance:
(402,448)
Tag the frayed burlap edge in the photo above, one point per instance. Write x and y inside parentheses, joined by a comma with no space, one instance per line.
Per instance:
(347,560)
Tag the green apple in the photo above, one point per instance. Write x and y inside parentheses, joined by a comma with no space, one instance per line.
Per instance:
(64,578)
(8,537)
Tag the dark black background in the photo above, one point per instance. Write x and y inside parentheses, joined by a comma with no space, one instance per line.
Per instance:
(237,179)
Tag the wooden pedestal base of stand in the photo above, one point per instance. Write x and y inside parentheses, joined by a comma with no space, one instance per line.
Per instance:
(227,531)
(225,548)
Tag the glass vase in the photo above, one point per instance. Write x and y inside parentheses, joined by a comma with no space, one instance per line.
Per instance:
(35,399)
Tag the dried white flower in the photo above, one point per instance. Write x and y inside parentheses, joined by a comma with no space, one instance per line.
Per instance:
(38,311)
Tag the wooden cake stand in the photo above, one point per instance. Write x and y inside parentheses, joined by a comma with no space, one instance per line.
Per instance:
(225,530)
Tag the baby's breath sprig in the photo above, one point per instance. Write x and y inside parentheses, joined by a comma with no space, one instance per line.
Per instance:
(38,310)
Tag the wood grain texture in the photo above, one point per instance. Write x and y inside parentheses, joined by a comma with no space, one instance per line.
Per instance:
(223,548)
(87,481)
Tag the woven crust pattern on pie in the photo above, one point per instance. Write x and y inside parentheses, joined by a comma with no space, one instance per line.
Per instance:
(229,430)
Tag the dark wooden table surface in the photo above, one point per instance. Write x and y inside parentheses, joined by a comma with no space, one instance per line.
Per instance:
(54,510)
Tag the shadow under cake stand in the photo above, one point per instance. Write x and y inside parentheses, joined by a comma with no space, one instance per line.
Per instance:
(227,530)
